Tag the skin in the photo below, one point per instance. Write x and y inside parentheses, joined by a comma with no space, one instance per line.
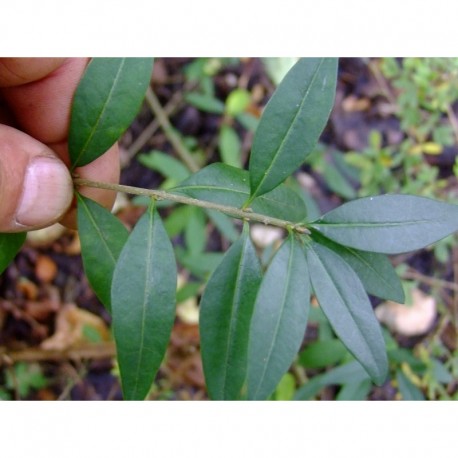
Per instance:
(35,184)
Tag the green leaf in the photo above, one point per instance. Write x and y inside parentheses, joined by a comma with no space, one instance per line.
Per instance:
(226,185)
(188,290)
(25,377)
(143,303)
(165,164)
(390,223)
(279,319)
(202,264)
(285,388)
(10,244)
(350,373)
(106,101)
(401,355)
(177,220)
(224,224)
(355,391)
(229,146)
(292,122)
(102,237)
(225,313)
(322,353)
(248,121)
(194,234)
(408,390)
(441,373)
(205,102)
(237,101)
(343,300)
(337,182)
(375,270)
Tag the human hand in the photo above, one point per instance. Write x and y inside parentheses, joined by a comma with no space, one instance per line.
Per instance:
(36,187)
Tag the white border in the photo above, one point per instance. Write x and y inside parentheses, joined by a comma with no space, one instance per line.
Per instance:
(234,28)
(228,429)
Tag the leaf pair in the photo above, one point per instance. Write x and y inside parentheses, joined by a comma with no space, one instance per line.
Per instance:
(252,326)
(125,271)
(135,277)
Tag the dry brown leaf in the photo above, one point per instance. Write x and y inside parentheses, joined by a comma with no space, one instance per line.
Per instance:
(409,320)
(70,324)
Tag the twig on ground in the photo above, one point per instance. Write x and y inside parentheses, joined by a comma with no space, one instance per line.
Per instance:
(172,106)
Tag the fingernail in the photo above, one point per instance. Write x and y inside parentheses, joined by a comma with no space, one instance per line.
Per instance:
(47,193)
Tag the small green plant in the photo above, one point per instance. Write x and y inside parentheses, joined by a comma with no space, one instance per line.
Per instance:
(22,379)
(252,319)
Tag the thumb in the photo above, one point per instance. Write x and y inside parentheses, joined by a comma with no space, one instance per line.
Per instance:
(35,186)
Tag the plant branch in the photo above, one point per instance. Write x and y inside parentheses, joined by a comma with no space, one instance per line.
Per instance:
(170,133)
(182,199)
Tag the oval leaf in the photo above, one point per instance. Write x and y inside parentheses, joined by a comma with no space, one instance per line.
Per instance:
(102,238)
(390,223)
(226,185)
(225,313)
(279,319)
(355,391)
(292,122)
(106,101)
(344,302)
(165,164)
(143,303)
(375,270)
(10,244)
